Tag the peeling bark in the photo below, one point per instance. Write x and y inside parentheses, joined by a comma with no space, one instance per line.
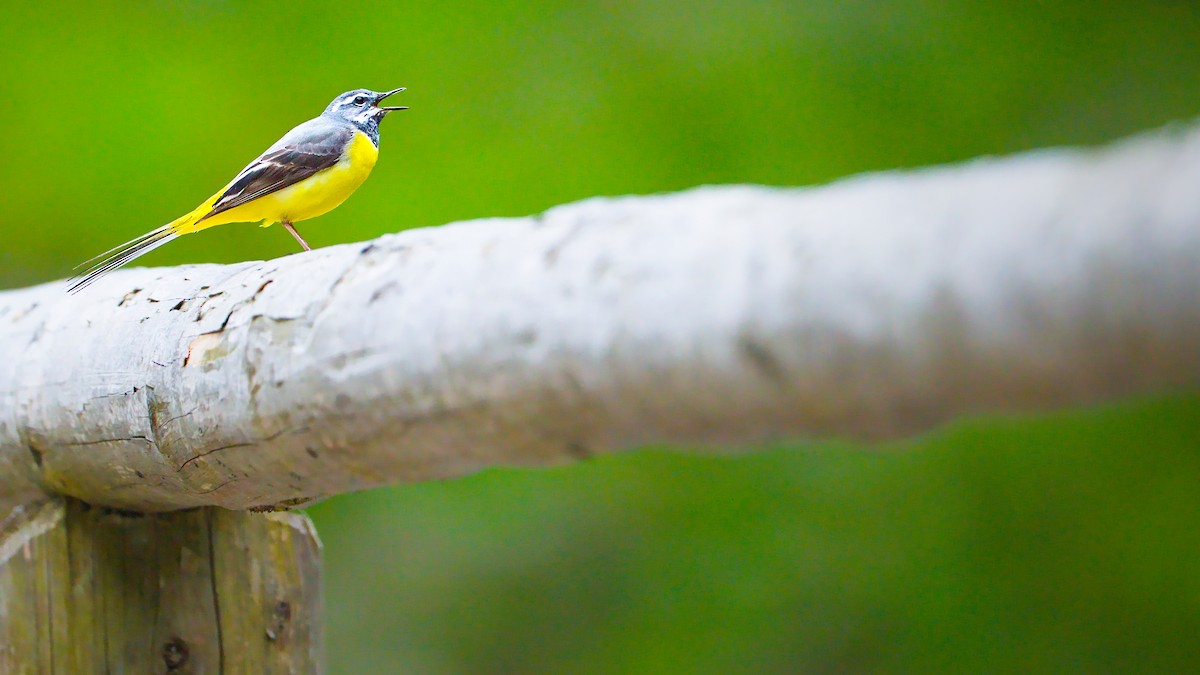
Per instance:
(871,308)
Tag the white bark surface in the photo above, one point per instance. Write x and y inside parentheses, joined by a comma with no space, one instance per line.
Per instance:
(871,308)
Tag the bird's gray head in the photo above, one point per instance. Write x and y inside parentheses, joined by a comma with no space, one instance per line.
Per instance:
(361,108)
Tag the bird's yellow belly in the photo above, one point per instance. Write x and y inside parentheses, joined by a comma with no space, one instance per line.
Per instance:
(314,196)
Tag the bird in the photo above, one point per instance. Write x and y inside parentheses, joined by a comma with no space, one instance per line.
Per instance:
(305,174)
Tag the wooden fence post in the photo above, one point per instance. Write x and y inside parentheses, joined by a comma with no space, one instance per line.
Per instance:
(207,590)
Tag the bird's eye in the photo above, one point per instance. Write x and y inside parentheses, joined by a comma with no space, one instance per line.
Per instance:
(359,100)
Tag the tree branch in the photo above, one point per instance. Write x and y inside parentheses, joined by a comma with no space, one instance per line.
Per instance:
(871,308)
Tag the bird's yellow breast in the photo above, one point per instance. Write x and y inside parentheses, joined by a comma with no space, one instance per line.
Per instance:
(313,196)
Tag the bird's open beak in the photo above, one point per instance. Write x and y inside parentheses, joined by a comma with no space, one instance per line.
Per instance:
(390,108)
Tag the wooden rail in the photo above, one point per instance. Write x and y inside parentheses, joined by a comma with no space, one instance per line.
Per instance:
(874,307)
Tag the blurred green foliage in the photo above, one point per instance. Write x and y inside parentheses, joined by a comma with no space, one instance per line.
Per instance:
(1065,544)
(1062,544)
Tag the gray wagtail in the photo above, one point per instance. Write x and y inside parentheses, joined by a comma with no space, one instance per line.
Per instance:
(307,173)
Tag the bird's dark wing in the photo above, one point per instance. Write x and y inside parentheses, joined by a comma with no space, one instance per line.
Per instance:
(304,151)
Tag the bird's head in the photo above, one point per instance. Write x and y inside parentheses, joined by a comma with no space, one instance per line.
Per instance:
(361,106)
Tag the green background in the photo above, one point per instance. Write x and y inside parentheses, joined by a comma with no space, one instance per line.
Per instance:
(1064,543)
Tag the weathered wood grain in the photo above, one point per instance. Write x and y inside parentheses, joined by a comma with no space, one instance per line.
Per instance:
(871,308)
(87,590)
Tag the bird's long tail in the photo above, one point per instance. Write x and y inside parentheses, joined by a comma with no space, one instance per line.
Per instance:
(112,259)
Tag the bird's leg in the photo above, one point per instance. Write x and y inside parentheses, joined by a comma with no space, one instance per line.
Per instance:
(292,229)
